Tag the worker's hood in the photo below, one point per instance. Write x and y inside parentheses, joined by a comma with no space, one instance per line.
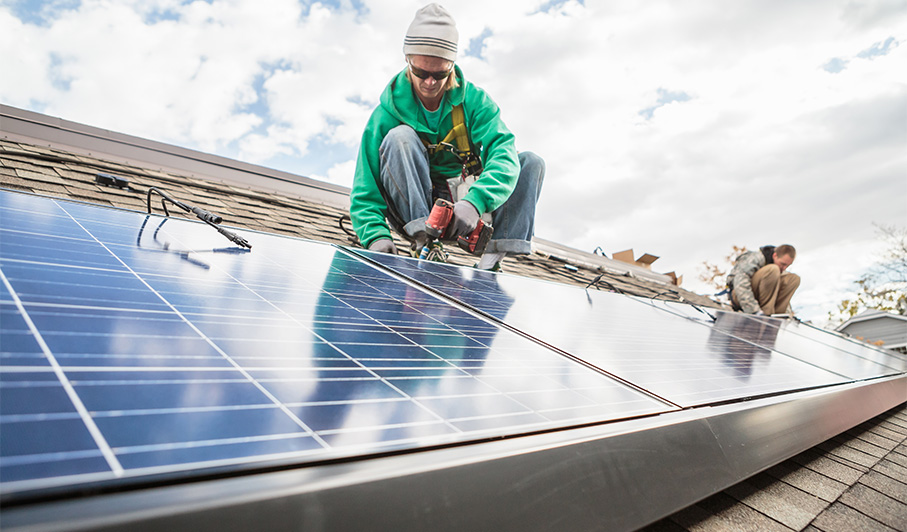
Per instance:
(399,100)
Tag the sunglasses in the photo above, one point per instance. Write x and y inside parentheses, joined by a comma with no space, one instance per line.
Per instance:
(424,74)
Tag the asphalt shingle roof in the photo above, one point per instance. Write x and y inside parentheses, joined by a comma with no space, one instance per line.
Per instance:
(854,481)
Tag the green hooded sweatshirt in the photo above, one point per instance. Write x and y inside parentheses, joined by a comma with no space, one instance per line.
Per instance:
(399,105)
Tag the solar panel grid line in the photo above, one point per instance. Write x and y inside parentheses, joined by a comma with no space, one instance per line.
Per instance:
(347,402)
(84,415)
(135,449)
(242,370)
(218,463)
(98,414)
(25,459)
(465,306)
(18,418)
(409,424)
(144,369)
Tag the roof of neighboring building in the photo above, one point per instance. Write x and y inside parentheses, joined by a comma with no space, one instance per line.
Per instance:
(877,326)
(853,481)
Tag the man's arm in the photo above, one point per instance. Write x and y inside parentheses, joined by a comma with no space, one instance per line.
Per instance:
(367,206)
(744,269)
(501,167)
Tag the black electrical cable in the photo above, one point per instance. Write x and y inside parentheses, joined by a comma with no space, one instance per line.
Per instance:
(684,300)
(353,238)
(598,279)
(201,214)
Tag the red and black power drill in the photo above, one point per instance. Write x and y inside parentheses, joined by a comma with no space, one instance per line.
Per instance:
(439,220)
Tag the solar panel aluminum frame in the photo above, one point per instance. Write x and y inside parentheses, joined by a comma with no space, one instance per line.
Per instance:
(616,476)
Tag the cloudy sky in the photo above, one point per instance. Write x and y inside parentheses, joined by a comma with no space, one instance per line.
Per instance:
(678,128)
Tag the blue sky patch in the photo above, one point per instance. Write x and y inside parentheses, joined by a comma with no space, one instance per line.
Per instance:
(57,79)
(835,65)
(260,107)
(477,44)
(40,12)
(553,5)
(664,98)
(161,15)
(335,5)
(879,49)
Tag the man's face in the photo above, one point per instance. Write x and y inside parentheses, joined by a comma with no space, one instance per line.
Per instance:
(783,262)
(429,88)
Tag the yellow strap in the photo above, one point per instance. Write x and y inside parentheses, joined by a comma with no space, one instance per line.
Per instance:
(458,131)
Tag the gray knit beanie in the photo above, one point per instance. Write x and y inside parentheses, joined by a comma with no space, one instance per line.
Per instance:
(433,32)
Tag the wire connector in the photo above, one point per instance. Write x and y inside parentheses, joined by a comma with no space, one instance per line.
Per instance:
(211,219)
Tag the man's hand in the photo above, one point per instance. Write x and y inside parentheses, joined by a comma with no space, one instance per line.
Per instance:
(464,221)
(384,245)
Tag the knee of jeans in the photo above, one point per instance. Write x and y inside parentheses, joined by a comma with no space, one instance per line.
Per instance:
(532,162)
(790,279)
(533,167)
(400,138)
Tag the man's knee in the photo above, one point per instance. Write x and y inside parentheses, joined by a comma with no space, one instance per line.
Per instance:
(532,164)
(790,281)
(532,173)
(401,138)
(769,271)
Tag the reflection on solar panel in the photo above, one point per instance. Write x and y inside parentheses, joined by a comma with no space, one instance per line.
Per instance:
(852,359)
(132,347)
(683,361)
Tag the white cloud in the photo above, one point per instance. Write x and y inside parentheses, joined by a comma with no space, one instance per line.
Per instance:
(342,173)
(770,147)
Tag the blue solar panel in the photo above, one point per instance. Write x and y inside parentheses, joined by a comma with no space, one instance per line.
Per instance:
(850,358)
(685,362)
(135,345)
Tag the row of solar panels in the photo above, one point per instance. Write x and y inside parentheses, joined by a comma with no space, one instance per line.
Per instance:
(139,348)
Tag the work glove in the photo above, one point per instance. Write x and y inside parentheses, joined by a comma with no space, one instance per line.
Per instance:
(384,245)
(464,220)
(759,313)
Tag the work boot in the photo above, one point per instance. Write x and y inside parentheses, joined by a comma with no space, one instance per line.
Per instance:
(496,268)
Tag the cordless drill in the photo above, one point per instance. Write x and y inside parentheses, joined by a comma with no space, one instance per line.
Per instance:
(439,220)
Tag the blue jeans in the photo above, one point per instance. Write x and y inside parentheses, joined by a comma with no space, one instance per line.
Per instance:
(406,178)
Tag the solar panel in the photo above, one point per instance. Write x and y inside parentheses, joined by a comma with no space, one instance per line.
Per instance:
(850,358)
(135,346)
(685,362)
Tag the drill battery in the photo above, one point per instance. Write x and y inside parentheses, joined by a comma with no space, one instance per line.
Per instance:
(439,221)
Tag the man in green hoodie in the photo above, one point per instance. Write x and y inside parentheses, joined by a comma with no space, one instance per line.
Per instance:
(406,155)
